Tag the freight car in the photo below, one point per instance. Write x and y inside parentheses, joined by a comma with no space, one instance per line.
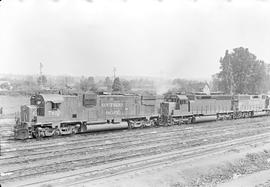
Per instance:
(54,115)
(177,109)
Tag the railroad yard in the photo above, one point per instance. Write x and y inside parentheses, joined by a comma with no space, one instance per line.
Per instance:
(184,155)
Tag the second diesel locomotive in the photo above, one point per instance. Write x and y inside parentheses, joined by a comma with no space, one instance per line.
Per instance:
(54,115)
(198,108)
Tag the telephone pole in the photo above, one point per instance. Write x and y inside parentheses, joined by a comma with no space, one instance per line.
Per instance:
(114,72)
(40,69)
(231,76)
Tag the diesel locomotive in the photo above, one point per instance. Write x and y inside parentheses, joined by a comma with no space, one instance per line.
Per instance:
(55,115)
(192,108)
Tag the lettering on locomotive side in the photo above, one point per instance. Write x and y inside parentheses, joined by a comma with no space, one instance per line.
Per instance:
(112,105)
(113,108)
(54,113)
(113,112)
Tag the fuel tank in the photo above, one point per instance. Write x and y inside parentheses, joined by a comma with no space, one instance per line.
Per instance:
(199,119)
(259,113)
(106,126)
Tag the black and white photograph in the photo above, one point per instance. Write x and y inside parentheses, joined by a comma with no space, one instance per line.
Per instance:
(134,93)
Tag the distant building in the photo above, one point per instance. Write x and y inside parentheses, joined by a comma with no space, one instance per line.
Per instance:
(103,88)
(204,90)
(5,85)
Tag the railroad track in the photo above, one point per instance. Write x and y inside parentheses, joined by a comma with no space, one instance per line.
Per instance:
(102,142)
(167,158)
(31,155)
(82,137)
(92,140)
(89,162)
(174,145)
(93,149)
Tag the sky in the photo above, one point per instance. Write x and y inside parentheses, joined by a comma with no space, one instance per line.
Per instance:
(168,38)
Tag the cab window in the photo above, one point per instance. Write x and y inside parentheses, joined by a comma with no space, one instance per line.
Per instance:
(55,106)
(182,102)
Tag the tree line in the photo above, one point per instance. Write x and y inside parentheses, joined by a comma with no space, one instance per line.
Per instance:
(89,84)
(241,73)
(70,84)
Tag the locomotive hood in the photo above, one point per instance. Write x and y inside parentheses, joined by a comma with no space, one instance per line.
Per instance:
(55,98)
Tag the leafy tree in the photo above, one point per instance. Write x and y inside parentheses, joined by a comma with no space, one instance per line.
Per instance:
(91,81)
(241,73)
(117,87)
(29,81)
(182,85)
(108,83)
(42,80)
(88,84)
(267,79)
(215,83)
(126,85)
(226,77)
(83,84)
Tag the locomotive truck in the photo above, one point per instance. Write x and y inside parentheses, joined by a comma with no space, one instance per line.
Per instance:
(54,115)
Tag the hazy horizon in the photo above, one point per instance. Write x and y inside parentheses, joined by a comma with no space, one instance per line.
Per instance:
(168,39)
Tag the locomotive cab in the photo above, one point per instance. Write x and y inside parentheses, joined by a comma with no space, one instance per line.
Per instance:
(44,117)
(28,118)
(176,104)
(175,109)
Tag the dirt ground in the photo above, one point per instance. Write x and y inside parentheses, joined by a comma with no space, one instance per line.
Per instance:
(220,169)
(223,153)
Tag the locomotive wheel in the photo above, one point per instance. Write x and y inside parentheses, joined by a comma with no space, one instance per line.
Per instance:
(193,120)
(36,134)
(83,128)
(152,123)
(77,128)
(33,135)
(143,124)
(57,132)
(130,125)
(240,115)
(189,121)
(42,134)
(73,131)
(147,124)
